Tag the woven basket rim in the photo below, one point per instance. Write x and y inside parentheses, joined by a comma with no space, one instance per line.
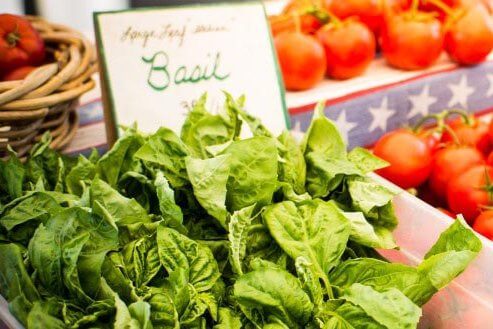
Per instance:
(46,100)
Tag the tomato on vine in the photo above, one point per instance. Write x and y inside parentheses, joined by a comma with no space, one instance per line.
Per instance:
(449,163)
(408,155)
(301,58)
(412,39)
(471,191)
(469,35)
(469,131)
(483,224)
(349,47)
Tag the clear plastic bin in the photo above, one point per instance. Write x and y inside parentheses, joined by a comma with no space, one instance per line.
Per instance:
(467,303)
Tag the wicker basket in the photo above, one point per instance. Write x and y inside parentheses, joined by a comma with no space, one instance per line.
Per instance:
(47,98)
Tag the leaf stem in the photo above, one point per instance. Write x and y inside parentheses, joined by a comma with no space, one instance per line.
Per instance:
(443,6)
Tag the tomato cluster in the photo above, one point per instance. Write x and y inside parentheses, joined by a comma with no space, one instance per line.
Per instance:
(21,47)
(410,33)
(451,166)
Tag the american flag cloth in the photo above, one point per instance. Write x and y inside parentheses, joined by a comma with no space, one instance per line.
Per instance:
(363,116)
(363,108)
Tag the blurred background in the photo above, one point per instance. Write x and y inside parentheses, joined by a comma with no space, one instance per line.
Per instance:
(78,13)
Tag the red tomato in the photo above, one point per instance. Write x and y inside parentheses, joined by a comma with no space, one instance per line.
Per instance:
(432,139)
(489,159)
(427,6)
(450,162)
(287,23)
(409,158)
(369,12)
(490,131)
(412,42)
(466,193)
(484,224)
(20,43)
(476,134)
(19,73)
(469,36)
(349,47)
(302,60)
(307,11)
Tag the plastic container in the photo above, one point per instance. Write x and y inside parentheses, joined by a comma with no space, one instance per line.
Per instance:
(468,301)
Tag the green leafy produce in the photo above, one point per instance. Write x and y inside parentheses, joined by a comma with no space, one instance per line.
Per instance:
(211,230)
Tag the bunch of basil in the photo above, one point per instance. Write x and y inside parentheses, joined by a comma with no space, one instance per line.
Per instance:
(209,230)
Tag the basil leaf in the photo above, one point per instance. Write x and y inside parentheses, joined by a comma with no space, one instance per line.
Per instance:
(365,160)
(176,251)
(238,234)
(253,174)
(114,206)
(391,308)
(209,179)
(292,167)
(271,293)
(315,230)
(228,319)
(120,158)
(166,151)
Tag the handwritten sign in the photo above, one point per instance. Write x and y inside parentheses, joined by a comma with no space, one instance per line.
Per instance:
(157,61)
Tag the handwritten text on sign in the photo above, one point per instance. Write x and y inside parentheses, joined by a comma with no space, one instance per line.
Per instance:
(157,60)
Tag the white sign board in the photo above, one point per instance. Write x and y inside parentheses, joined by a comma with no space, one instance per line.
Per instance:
(157,61)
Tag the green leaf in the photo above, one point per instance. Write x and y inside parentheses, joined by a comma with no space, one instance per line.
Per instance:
(228,319)
(456,247)
(238,234)
(115,207)
(39,319)
(12,176)
(14,279)
(163,311)
(458,237)
(273,294)
(45,254)
(120,158)
(176,251)
(209,179)
(369,235)
(390,308)
(141,314)
(315,230)
(114,273)
(84,240)
(22,216)
(166,151)
(292,168)
(253,174)
(203,129)
(373,200)
(326,173)
(83,173)
(337,314)
(309,280)
(446,260)
(170,211)
(141,260)
(365,160)
(381,275)
(323,137)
